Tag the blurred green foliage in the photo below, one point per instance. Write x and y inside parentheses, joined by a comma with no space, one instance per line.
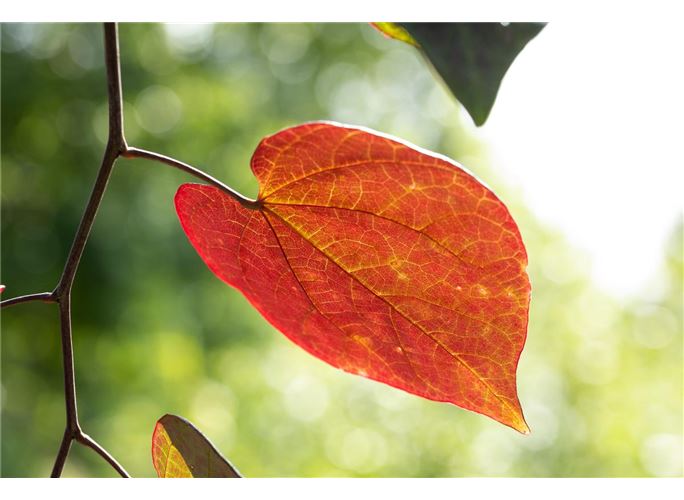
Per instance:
(156,332)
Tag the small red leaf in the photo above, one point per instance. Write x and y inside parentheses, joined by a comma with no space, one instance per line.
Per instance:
(379,258)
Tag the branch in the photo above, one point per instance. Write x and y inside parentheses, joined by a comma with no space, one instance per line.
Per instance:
(62,293)
(86,440)
(62,454)
(115,146)
(73,427)
(141,153)
(45,297)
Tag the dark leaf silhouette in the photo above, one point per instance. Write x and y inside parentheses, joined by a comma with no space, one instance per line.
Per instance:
(471,58)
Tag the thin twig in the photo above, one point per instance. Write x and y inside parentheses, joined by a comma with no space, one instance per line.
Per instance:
(63,453)
(115,146)
(44,297)
(141,153)
(73,427)
(86,440)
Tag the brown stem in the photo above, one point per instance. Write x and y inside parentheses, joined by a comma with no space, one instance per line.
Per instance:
(148,155)
(73,427)
(62,454)
(86,440)
(115,146)
(45,297)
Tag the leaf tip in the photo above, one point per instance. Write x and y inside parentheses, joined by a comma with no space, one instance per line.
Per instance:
(396,31)
(479,118)
(524,429)
(166,417)
(518,423)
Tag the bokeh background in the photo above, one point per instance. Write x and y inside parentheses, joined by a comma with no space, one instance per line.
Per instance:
(155,332)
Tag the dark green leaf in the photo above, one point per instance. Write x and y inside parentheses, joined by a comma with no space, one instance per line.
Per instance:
(472,58)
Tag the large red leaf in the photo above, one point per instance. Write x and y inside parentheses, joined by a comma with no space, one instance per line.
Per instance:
(379,258)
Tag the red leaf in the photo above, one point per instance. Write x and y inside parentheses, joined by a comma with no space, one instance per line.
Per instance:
(379,258)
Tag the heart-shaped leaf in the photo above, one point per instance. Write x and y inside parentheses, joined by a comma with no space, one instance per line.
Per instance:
(180,450)
(379,258)
(471,58)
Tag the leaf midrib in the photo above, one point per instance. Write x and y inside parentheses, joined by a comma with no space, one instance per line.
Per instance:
(406,226)
(316,308)
(393,307)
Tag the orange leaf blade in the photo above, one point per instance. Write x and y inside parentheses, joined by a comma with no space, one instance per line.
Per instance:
(379,258)
(180,450)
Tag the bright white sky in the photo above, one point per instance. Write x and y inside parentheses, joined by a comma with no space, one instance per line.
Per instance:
(588,124)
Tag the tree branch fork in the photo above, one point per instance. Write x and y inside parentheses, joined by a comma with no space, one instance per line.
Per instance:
(116,147)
